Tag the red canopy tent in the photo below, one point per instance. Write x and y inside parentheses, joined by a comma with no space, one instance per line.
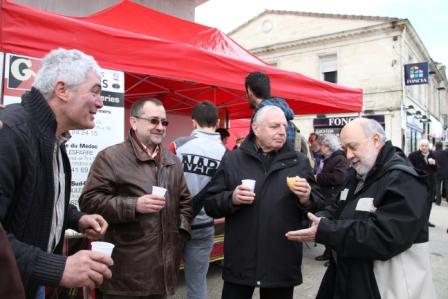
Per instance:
(177,61)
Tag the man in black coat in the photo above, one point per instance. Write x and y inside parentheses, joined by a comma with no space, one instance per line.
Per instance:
(377,230)
(256,251)
(425,160)
(35,174)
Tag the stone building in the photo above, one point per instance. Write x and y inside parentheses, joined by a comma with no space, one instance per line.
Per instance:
(356,51)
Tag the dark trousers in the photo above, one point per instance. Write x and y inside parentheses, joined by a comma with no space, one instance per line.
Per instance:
(438,187)
(237,291)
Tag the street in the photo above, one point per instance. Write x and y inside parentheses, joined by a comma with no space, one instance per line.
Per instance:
(314,270)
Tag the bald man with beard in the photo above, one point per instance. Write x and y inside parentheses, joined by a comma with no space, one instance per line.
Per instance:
(377,230)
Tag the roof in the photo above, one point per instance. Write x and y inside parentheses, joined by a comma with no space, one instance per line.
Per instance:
(177,61)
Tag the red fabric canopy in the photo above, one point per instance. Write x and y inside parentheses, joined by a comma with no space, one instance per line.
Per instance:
(178,61)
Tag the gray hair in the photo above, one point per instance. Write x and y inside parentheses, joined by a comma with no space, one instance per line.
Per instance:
(371,127)
(330,140)
(261,113)
(69,66)
(422,141)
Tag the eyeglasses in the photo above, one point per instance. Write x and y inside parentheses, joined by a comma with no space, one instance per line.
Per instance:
(153,120)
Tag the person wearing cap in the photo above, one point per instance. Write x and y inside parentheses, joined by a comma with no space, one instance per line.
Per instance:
(256,251)
(148,230)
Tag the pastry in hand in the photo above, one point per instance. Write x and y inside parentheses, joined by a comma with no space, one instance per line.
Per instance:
(291,181)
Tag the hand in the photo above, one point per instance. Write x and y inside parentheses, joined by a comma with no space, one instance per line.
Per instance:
(242,195)
(94,226)
(431,161)
(86,269)
(302,189)
(308,234)
(150,203)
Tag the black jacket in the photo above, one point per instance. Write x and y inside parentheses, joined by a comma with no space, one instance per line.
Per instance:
(332,176)
(27,195)
(256,251)
(359,237)
(418,160)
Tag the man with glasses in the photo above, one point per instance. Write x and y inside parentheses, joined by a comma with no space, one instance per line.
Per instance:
(148,230)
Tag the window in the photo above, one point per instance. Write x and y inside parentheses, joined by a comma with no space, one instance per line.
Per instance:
(328,68)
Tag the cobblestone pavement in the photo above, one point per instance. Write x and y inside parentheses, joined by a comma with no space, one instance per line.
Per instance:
(314,270)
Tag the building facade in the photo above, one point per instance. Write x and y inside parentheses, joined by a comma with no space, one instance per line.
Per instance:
(356,51)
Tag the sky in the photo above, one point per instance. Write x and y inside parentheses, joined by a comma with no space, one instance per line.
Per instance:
(428,17)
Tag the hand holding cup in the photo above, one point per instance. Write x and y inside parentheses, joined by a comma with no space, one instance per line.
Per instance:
(244,193)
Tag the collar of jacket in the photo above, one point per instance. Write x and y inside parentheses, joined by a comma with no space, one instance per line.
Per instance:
(37,106)
(386,158)
(141,155)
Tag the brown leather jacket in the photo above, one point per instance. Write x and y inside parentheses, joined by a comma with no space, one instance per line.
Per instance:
(148,247)
(10,282)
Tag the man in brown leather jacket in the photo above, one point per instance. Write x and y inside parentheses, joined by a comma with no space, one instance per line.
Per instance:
(10,283)
(148,230)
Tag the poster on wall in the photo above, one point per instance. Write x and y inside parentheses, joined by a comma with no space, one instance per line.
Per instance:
(416,73)
(84,145)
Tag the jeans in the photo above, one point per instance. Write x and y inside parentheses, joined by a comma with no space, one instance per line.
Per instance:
(40,294)
(196,261)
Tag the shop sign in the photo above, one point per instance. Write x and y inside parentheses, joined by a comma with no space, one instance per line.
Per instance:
(416,73)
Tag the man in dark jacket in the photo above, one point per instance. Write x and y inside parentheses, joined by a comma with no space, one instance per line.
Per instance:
(425,160)
(378,229)
(256,252)
(35,174)
(148,230)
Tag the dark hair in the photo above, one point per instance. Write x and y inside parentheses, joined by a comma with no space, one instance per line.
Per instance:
(223,132)
(205,114)
(259,84)
(137,106)
(439,145)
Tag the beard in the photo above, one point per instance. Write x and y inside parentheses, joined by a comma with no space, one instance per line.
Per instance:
(366,163)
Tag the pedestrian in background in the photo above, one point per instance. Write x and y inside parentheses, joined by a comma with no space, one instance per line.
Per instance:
(441,175)
(201,154)
(378,229)
(316,155)
(333,174)
(256,252)
(224,133)
(425,160)
(148,230)
(35,174)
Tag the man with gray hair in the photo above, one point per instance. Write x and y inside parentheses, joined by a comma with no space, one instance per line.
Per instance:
(35,174)
(378,230)
(256,253)
(425,160)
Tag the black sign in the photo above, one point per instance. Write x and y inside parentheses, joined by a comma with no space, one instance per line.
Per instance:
(333,125)
(416,73)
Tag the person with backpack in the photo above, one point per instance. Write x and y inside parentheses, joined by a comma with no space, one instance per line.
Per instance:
(378,229)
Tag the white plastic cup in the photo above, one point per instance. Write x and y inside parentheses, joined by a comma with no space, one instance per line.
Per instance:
(158,190)
(104,247)
(249,183)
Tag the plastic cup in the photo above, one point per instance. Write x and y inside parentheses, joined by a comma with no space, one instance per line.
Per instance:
(158,190)
(249,183)
(104,247)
